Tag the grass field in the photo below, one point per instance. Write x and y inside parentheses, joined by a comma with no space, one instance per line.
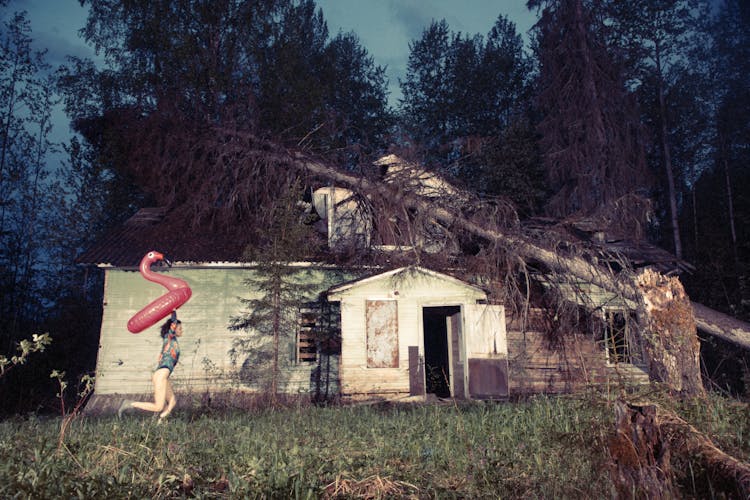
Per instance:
(544,447)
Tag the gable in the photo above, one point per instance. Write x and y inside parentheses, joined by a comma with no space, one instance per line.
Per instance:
(407,281)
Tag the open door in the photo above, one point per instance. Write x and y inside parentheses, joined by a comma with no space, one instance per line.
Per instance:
(443,367)
(487,351)
(456,355)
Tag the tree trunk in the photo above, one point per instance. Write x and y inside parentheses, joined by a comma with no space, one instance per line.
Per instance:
(647,437)
(665,312)
(276,333)
(640,462)
(673,212)
(722,325)
(670,334)
(730,213)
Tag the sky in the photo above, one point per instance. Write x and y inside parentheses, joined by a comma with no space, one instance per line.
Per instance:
(385,28)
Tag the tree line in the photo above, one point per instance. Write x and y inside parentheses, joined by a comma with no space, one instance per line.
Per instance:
(633,113)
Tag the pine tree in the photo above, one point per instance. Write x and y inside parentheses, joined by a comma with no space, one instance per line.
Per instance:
(271,316)
(591,138)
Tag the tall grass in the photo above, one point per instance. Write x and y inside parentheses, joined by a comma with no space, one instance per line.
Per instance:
(545,447)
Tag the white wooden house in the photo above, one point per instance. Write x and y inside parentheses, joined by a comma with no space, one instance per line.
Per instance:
(397,329)
(405,332)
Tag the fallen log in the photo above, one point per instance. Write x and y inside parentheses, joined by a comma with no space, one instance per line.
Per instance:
(648,437)
(663,307)
(722,325)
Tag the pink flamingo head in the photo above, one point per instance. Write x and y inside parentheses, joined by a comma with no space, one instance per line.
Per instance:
(153,256)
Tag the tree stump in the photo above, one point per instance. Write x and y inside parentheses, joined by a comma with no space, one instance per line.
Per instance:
(646,438)
(640,456)
(670,335)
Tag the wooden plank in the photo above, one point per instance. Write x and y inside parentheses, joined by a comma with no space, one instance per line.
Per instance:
(416,372)
(454,330)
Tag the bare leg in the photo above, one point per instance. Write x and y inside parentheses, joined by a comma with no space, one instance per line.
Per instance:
(161,381)
(171,400)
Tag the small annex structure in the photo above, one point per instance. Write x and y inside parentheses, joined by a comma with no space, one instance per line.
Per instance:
(368,332)
(415,331)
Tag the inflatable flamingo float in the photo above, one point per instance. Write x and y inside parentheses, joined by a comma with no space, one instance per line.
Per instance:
(178,293)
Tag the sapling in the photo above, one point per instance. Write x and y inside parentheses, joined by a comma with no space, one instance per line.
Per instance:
(85,388)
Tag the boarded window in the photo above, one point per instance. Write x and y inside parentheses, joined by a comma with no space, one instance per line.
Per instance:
(382,334)
(309,315)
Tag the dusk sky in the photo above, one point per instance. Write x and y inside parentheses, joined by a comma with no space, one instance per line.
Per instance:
(385,27)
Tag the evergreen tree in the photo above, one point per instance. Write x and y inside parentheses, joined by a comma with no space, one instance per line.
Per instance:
(659,39)
(182,75)
(271,316)
(720,209)
(591,139)
(426,102)
(465,99)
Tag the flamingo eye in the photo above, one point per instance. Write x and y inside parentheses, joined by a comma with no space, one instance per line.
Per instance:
(151,255)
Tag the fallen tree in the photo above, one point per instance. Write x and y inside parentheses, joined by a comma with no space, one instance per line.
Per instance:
(722,325)
(665,313)
(647,436)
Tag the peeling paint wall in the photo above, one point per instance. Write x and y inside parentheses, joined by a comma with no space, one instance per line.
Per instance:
(382,333)
(125,361)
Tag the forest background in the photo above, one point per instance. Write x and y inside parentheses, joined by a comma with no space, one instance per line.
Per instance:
(640,109)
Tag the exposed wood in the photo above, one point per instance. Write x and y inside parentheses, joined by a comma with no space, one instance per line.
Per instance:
(722,325)
(670,338)
(641,462)
(647,437)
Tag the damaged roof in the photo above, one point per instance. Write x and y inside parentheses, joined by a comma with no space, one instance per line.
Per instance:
(148,229)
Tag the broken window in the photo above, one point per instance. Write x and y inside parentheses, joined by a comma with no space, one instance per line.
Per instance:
(318,331)
(382,333)
(309,316)
(619,345)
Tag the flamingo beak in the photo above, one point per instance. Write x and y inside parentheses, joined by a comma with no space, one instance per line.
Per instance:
(167,261)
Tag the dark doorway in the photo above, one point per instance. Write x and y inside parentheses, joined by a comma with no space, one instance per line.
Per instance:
(436,358)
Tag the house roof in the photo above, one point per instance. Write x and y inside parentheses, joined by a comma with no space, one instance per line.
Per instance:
(638,253)
(407,272)
(149,229)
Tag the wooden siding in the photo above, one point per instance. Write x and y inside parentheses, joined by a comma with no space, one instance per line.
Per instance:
(125,361)
(575,361)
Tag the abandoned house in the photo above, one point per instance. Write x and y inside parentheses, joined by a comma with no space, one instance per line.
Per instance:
(356,332)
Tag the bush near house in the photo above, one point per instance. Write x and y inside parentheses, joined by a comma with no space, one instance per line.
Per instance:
(543,447)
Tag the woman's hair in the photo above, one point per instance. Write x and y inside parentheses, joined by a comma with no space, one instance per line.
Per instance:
(168,326)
